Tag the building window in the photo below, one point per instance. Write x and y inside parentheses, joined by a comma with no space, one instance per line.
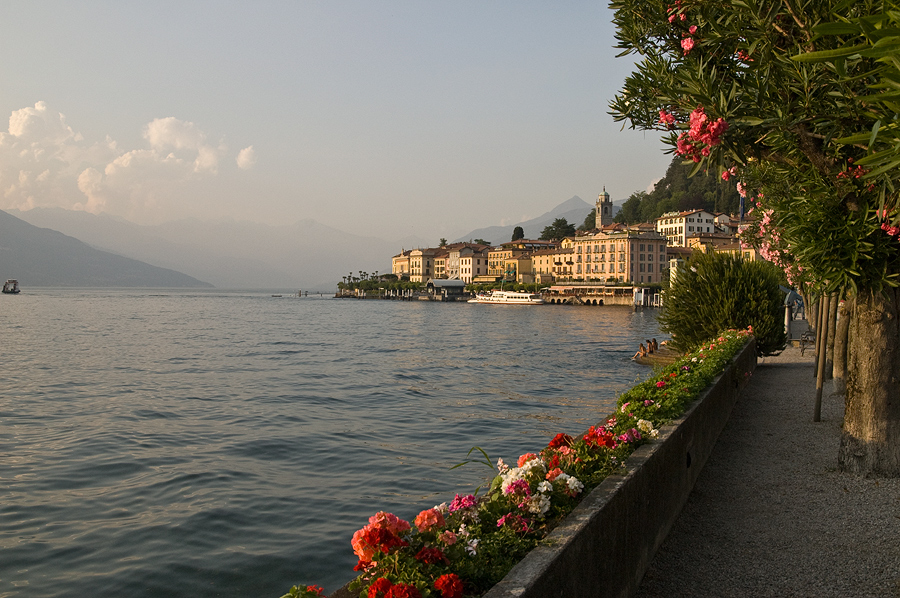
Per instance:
(649,267)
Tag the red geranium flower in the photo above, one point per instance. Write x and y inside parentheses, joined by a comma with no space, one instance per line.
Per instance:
(403,590)
(449,585)
(432,556)
(560,440)
(381,586)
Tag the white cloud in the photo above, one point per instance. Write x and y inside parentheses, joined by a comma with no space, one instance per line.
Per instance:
(39,123)
(246,158)
(44,163)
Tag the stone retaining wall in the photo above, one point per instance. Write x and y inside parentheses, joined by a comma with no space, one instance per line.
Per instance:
(604,546)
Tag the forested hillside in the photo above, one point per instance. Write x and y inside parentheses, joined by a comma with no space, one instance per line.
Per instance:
(677,192)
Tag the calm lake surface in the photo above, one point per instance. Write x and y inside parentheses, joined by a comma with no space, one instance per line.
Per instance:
(160,443)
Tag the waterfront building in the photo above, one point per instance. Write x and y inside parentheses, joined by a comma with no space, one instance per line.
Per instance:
(519,269)
(421,264)
(709,241)
(446,290)
(628,256)
(457,250)
(676,227)
(514,250)
(542,264)
(400,264)
(473,263)
(440,263)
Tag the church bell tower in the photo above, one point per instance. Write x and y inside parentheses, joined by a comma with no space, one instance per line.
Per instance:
(604,209)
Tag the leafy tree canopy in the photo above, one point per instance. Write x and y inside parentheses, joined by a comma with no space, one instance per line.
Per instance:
(558,230)
(677,192)
(518,233)
(481,242)
(590,221)
(442,242)
(798,101)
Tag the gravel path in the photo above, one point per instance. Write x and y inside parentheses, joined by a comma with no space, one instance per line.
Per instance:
(770,514)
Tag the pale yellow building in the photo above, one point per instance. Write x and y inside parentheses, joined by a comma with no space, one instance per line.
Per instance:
(421,264)
(473,264)
(626,256)
(400,264)
(440,263)
(457,250)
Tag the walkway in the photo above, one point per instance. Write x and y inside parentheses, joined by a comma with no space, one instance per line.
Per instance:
(770,515)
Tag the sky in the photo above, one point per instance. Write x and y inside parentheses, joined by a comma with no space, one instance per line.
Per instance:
(385,119)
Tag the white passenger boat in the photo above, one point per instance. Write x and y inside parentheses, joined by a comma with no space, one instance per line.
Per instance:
(11,287)
(508,297)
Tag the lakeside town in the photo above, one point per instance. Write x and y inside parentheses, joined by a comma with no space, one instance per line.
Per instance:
(576,268)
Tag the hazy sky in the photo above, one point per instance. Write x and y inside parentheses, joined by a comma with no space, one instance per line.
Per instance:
(383,118)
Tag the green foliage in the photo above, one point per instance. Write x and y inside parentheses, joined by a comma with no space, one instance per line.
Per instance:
(718,291)
(590,221)
(809,91)
(678,192)
(558,230)
(481,242)
(442,242)
(518,233)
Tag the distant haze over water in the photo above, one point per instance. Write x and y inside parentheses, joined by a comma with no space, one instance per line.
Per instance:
(204,443)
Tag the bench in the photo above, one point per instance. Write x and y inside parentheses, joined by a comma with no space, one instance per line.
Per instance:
(807,339)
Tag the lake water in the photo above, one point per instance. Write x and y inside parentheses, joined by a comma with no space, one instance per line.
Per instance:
(214,443)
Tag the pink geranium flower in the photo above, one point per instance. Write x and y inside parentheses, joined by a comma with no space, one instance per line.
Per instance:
(429,519)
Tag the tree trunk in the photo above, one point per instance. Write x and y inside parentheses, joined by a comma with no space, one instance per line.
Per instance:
(812,314)
(870,438)
(840,348)
(832,324)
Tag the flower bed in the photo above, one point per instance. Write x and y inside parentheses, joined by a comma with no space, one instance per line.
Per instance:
(467,546)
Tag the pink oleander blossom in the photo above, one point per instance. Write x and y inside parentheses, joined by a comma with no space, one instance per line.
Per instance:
(687,44)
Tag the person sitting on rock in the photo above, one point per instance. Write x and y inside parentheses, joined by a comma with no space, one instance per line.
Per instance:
(641,352)
(655,344)
(649,347)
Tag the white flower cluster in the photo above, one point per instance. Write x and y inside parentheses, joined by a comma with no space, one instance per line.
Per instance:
(571,482)
(647,428)
(519,473)
(537,504)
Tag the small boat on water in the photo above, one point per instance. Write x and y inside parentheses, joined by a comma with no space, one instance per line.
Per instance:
(508,297)
(11,287)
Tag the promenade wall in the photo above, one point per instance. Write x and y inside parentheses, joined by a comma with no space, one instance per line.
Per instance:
(604,546)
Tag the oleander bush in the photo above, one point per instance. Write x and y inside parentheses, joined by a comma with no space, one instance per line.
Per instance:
(720,291)
(462,548)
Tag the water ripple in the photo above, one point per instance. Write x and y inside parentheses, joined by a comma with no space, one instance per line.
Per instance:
(226,444)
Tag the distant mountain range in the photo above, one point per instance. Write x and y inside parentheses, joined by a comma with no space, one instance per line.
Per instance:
(110,251)
(42,257)
(306,255)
